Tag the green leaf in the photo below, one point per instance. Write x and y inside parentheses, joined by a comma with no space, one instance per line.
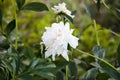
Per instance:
(118,53)
(60,64)
(60,76)
(68,17)
(74,12)
(89,11)
(35,6)
(20,3)
(44,74)
(102,76)
(12,50)
(98,5)
(28,52)
(72,68)
(0,18)
(10,27)
(4,45)
(27,77)
(45,66)
(33,63)
(91,74)
(98,51)
(114,74)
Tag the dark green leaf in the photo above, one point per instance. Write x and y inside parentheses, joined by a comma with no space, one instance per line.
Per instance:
(102,76)
(60,64)
(2,0)
(10,26)
(28,52)
(91,74)
(118,53)
(89,11)
(0,18)
(4,45)
(20,3)
(35,6)
(44,74)
(12,50)
(98,5)
(45,66)
(98,51)
(60,76)
(73,12)
(114,74)
(27,77)
(72,68)
(68,18)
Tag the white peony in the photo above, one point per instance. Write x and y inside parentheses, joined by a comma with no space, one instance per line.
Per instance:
(61,8)
(57,38)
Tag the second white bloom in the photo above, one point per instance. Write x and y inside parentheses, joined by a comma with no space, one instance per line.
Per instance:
(61,8)
(57,38)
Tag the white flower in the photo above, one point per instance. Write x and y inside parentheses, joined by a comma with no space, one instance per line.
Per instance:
(57,38)
(61,8)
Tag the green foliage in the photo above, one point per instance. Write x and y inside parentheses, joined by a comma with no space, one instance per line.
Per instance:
(91,74)
(89,11)
(118,54)
(35,6)
(20,3)
(0,18)
(98,51)
(26,62)
(10,27)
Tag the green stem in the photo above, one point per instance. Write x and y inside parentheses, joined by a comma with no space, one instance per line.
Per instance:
(94,22)
(102,60)
(16,24)
(16,41)
(66,72)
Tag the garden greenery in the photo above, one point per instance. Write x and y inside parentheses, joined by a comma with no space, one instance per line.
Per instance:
(58,55)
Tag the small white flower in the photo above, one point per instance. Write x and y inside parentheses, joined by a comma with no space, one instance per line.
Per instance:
(61,8)
(57,38)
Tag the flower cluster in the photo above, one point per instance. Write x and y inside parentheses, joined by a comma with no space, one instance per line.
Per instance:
(61,8)
(58,36)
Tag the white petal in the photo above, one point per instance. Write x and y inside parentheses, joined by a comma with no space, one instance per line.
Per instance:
(64,54)
(73,41)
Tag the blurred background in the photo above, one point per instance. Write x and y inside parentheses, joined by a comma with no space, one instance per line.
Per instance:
(32,25)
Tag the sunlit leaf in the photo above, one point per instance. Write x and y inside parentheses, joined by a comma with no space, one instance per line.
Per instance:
(35,6)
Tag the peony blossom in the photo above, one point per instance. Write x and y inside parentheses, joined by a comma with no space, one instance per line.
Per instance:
(61,8)
(57,38)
